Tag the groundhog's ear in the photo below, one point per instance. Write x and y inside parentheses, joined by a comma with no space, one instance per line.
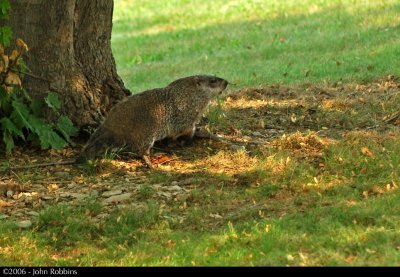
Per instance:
(197,81)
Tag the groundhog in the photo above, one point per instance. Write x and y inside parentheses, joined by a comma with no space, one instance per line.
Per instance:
(137,122)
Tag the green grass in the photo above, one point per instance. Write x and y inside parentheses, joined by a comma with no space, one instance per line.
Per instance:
(310,217)
(275,205)
(318,235)
(253,43)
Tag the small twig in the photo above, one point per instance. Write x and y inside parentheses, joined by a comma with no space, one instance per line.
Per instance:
(372,127)
(392,117)
(16,175)
(11,168)
(271,127)
(52,181)
(31,75)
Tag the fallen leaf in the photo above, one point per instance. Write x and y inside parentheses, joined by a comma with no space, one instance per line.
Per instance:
(367,152)
(233,131)
(21,44)
(293,118)
(289,257)
(5,204)
(378,190)
(52,187)
(14,55)
(5,60)
(303,257)
(161,159)
(2,67)
(349,259)
(215,216)
(12,79)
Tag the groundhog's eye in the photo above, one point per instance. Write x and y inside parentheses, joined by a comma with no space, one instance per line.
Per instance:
(213,81)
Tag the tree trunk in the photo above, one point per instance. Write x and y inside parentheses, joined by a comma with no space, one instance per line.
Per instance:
(70,53)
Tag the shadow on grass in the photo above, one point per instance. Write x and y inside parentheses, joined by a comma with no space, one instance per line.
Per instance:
(272,111)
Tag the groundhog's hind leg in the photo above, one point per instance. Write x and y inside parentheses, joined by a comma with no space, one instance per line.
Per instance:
(147,161)
(146,156)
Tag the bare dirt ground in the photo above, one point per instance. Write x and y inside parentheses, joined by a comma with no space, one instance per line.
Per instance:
(253,122)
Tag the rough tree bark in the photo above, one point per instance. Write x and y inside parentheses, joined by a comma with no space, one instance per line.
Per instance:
(70,53)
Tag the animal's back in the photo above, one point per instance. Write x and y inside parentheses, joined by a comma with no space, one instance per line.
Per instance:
(139,116)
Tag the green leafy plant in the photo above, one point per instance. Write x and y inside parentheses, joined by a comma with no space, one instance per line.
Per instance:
(20,115)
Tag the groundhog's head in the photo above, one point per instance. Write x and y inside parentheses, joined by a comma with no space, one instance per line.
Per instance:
(209,85)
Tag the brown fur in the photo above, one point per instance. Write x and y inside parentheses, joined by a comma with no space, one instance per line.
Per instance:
(141,119)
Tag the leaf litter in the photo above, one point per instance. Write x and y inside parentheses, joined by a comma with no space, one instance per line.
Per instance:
(303,120)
